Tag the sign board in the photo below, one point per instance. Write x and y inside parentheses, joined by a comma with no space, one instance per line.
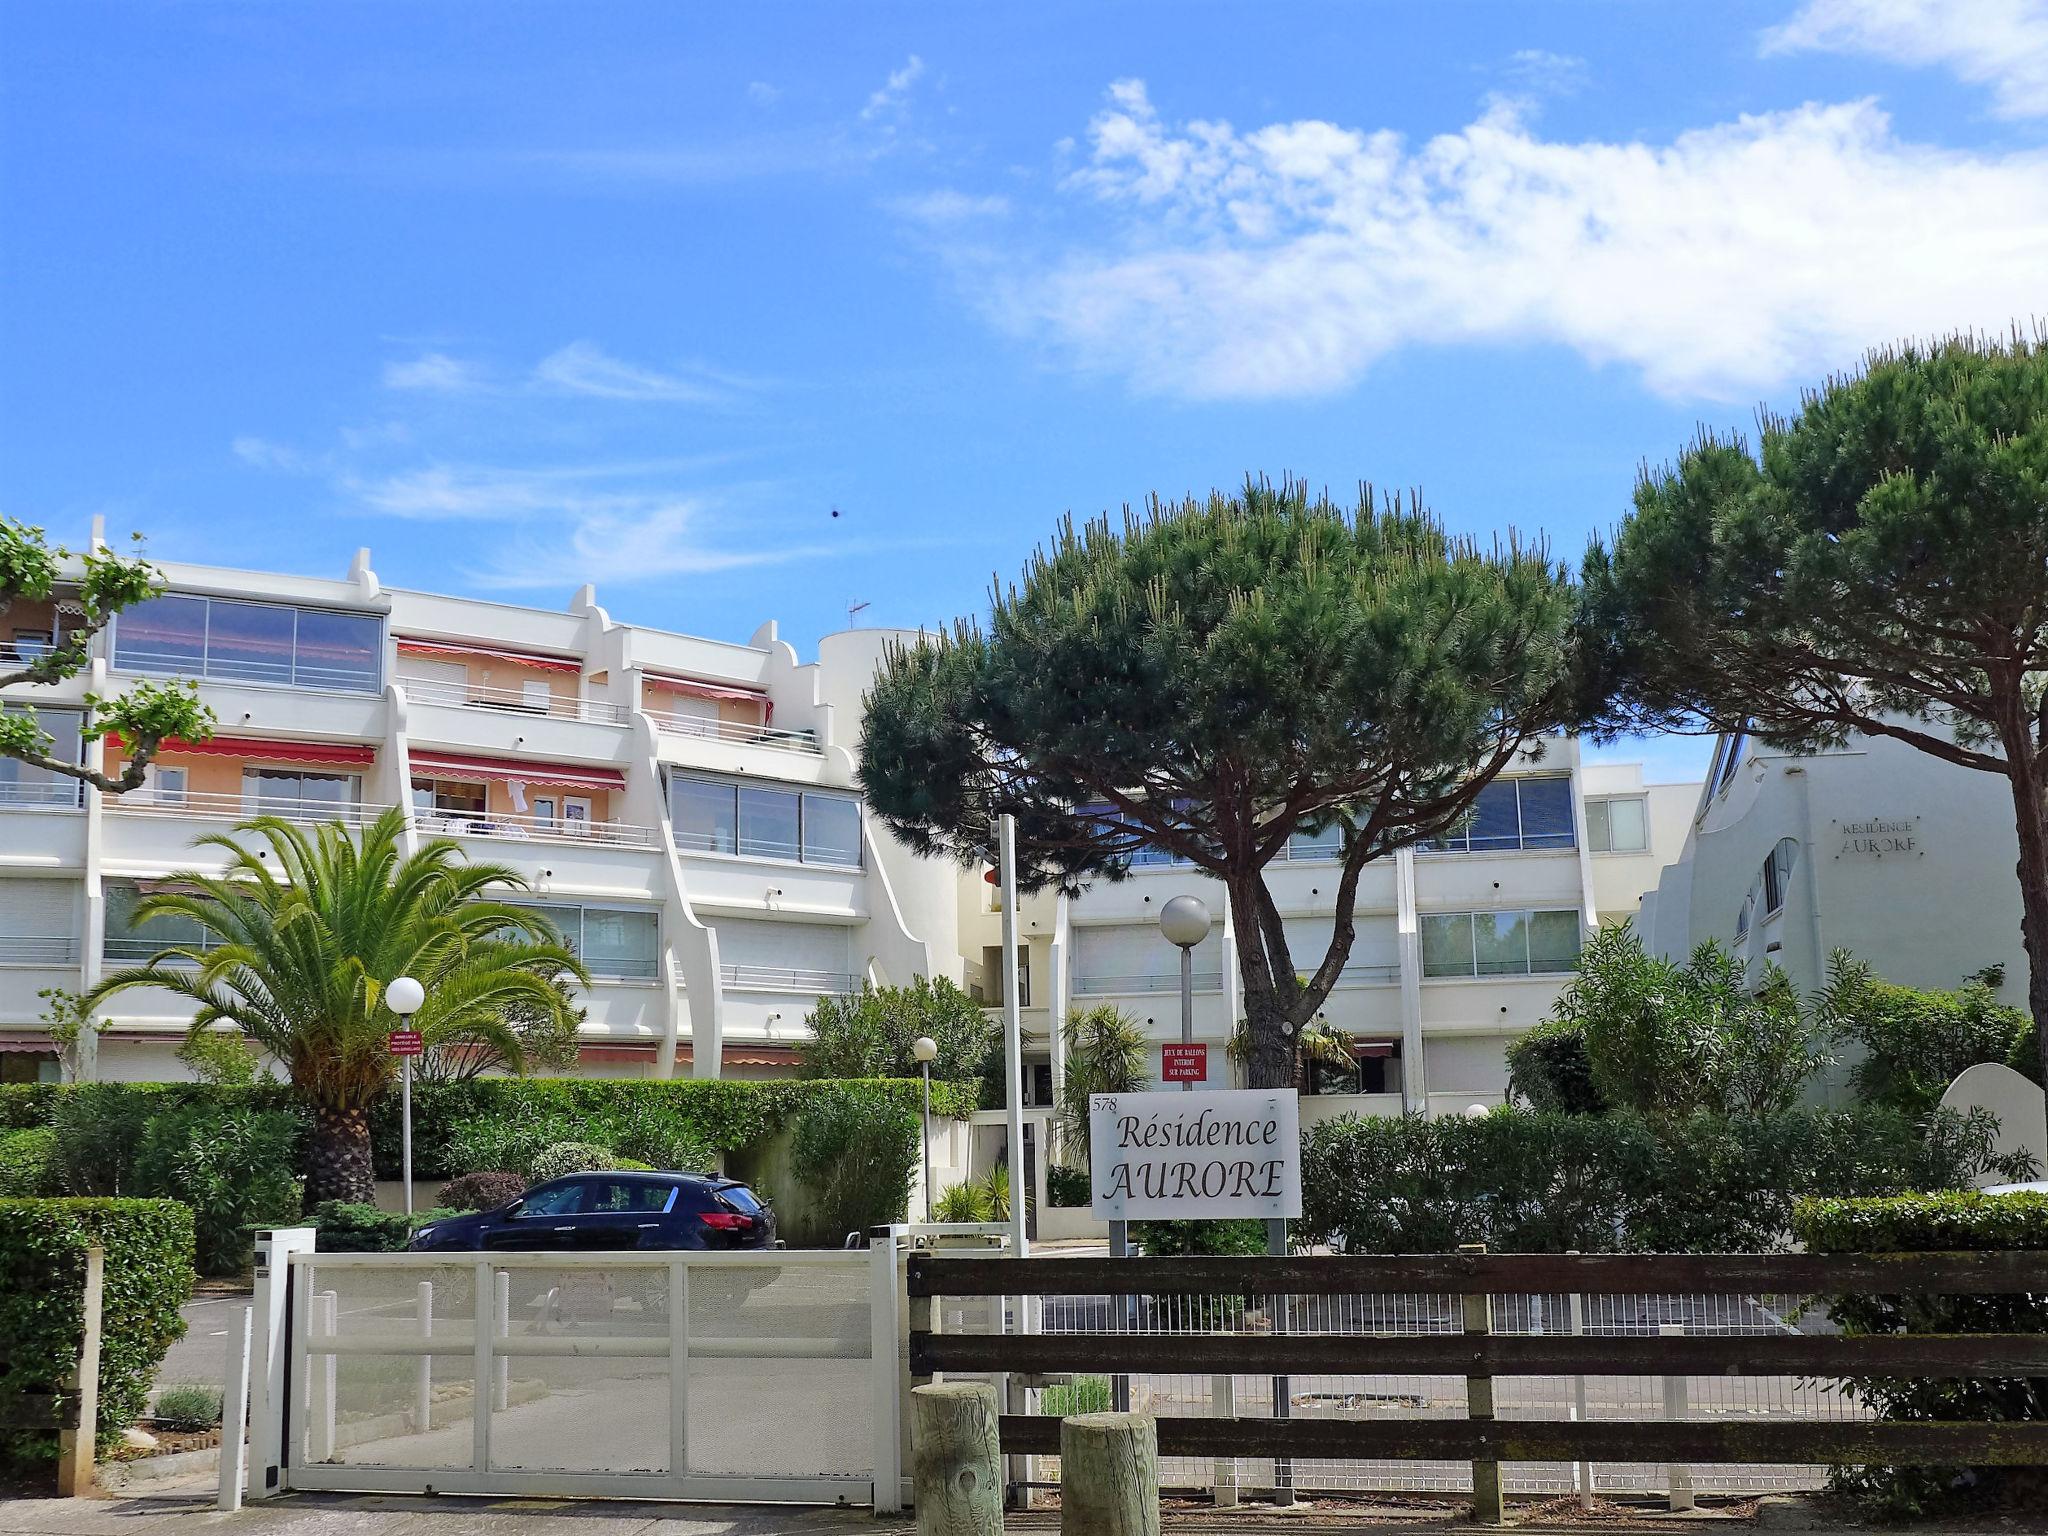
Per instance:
(404,1042)
(1232,1152)
(1184,1063)
(1874,837)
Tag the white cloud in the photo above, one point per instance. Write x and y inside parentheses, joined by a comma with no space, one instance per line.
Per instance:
(583,368)
(437,373)
(261,453)
(1555,74)
(949,206)
(762,94)
(1285,259)
(2002,44)
(626,544)
(895,92)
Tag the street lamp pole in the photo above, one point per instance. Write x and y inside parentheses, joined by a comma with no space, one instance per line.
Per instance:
(404,997)
(926,1050)
(1185,922)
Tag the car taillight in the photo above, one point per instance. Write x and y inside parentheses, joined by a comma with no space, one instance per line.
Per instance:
(728,1221)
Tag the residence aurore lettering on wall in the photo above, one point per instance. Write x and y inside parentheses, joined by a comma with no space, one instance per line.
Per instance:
(1879,837)
(1226,1153)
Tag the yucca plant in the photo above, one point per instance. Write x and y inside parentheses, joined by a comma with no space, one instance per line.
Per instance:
(301,938)
(966,1202)
(1107,1052)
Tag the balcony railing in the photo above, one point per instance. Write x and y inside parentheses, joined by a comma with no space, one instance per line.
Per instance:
(753,847)
(736,731)
(292,672)
(54,793)
(784,978)
(38,949)
(554,829)
(225,805)
(1096,986)
(510,701)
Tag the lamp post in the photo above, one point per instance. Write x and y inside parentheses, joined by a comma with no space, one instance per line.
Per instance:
(926,1050)
(1185,922)
(404,997)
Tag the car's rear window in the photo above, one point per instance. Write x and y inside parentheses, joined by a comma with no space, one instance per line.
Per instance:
(740,1198)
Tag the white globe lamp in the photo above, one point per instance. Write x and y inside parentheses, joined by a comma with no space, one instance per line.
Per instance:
(405,997)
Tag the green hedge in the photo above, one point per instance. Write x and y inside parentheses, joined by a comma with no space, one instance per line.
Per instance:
(28,1162)
(344,1228)
(1545,1183)
(148,1277)
(1937,1223)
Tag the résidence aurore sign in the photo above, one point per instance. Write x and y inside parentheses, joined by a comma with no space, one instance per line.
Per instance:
(1217,1154)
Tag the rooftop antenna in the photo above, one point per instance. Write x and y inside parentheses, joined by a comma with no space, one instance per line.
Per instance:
(853,613)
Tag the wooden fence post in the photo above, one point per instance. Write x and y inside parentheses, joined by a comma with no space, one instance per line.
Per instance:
(956,1472)
(1109,1475)
(78,1440)
(1486,1500)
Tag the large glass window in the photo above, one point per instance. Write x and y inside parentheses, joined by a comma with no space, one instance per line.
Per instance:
(1326,844)
(1617,826)
(288,792)
(617,942)
(1499,943)
(1511,814)
(712,816)
(1777,874)
(22,785)
(130,940)
(245,642)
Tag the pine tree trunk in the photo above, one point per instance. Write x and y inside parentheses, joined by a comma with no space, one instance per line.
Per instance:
(1270,1062)
(338,1160)
(2031,817)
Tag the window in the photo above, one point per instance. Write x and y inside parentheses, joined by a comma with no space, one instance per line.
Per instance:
(1777,875)
(1729,758)
(22,785)
(128,939)
(1617,826)
(164,786)
(288,792)
(1326,844)
(621,943)
(563,1200)
(640,1196)
(1375,1067)
(1499,943)
(1511,814)
(232,641)
(712,816)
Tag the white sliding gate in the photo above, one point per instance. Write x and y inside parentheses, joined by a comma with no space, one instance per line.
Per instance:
(741,1377)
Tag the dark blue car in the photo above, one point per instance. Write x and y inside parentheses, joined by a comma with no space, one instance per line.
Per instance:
(587,1212)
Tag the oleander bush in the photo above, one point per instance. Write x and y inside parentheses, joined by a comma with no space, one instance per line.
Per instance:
(148,1276)
(1522,1182)
(1937,1223)
(1065,1187)
(28,1162)
(482,1191)
(235,1165)
(566,1157)
(856,1154)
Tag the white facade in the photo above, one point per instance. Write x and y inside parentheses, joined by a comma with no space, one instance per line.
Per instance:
(1457,949)
(1903,860)
(686,806)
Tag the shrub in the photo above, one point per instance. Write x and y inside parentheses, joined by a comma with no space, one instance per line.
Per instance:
(482,1191)
(1936,1223)
(856,1155)
(1207,1239)
(344,1227)
(28,1163)
(148,1277)
(869,1033)
(1067,1187)
(99,1130)
(233,1165)
(566,1157)
(1914,1042)
(965,1202)
(1548,1066)
(1529,1183)
(188,1406)
(1084,1394)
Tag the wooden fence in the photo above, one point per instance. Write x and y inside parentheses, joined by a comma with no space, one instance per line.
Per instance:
(1479,1355)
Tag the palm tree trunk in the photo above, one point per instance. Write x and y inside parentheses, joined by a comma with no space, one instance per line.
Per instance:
(338,1161)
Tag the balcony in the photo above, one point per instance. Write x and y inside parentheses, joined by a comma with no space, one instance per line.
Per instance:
(51,794)
(530,828)
(1130,985)
(38,949)
(223,806)
(737,731)
(551,706)
(780,978)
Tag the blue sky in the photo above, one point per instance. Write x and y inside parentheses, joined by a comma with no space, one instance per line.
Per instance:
(522,295)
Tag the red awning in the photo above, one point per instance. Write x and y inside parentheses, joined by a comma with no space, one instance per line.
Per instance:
(407,647)
(43,1047)
(264,749)
(447,765)
(1370,1049)
(697,690)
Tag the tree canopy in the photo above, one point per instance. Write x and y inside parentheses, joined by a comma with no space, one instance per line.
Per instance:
(1210,677)
(1875,565)
(145,717)
(869,1032)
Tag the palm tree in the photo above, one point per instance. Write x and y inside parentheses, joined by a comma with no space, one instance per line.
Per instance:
(300,941)
(1107,1052)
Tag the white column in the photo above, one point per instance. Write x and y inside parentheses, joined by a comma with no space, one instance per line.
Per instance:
(1013,1039)
(275,1252)
(1408,926)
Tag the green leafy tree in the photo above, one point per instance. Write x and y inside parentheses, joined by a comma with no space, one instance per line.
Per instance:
(1208,679)
(145,717)
(1912,1043)
(307,933)
(1669,1039)
(869,1033)
(1107,1052)
(1872,566)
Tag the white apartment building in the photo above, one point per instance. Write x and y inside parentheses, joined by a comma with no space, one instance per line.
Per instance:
(684,808)
(1905,861)
(1459,946)
(686,811)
